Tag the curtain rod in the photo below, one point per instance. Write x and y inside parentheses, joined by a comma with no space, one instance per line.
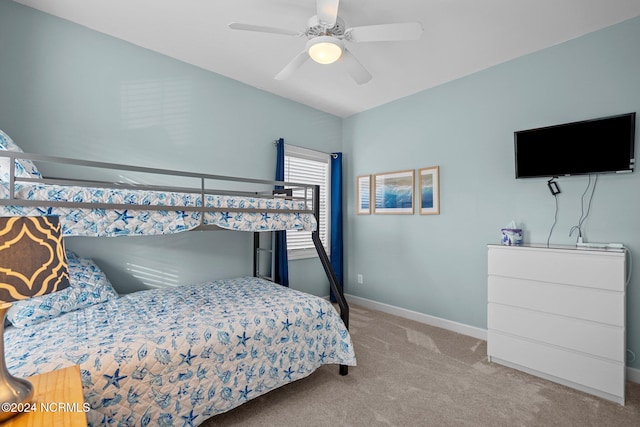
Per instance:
(276,141)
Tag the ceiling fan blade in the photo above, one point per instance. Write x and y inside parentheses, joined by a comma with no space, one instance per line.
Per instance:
(355,69)
(263,29)
(292,66)
(385,32)
(327,11)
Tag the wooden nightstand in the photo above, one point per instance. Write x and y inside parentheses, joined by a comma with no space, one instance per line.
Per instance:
(57,401)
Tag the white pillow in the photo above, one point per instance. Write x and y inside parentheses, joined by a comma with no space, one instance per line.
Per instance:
(88,286)
(24,168)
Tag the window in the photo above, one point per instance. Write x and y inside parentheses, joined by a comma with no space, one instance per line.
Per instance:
(308,167)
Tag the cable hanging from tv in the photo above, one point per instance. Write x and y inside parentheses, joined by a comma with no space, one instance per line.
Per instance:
(583,215)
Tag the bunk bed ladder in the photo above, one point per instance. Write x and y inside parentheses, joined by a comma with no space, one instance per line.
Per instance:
(257,247)
(328,269)
(257,250)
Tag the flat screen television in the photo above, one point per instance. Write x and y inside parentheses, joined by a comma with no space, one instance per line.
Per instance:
(603,145)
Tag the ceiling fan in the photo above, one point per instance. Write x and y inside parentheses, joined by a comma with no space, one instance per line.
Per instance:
(327,35)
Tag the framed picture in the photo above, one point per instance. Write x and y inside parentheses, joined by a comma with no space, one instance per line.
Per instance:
(363,195)
(429,190)
(393,193)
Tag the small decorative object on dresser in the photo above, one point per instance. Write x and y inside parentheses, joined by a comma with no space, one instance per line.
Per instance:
(511,235)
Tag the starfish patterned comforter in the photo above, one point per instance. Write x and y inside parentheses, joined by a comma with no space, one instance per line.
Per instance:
(180,356)
(137,221)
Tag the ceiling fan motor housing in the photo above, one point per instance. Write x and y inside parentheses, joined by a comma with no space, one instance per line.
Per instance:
(318,28)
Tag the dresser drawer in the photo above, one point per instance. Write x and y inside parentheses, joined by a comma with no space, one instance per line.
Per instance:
(596,374)
(591,338)
(567,300)
(594,269)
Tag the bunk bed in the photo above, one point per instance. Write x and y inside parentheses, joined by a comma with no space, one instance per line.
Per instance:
(169,356)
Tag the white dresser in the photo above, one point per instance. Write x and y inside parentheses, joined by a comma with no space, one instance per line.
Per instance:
(559,313)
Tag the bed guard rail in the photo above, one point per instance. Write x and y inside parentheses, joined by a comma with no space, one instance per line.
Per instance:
(202,189)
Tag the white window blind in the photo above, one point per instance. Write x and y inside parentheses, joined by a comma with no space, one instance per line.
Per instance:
(306,166)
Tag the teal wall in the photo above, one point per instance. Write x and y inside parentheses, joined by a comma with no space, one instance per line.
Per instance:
(66,90)
(436,264)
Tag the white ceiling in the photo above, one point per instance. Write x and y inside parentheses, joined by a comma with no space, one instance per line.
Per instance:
(460,37)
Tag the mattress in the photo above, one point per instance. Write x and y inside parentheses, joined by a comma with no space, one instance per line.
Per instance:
(179,356)
(266,214)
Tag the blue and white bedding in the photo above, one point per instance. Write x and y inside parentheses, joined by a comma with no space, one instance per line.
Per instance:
(180,356)
(137,221)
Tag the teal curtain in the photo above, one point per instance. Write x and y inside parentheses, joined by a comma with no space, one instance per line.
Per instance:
(281,263)
(336,219)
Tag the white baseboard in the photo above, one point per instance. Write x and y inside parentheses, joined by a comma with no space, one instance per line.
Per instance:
(633,374)
(460,328)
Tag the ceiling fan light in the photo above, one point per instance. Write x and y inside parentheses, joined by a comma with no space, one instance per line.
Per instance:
(324,49)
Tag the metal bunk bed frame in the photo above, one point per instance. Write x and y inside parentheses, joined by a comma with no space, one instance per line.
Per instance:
(202,190)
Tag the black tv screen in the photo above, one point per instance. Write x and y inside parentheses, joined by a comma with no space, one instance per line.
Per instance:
(603,145)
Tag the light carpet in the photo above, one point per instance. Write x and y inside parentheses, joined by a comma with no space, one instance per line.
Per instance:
(412,374)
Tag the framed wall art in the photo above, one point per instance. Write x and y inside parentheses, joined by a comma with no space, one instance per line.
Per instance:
(393,192)
(429,190)
(363,195)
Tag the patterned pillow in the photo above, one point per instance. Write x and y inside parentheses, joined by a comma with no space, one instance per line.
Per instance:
(32,257)
(24,168)
(89,286)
